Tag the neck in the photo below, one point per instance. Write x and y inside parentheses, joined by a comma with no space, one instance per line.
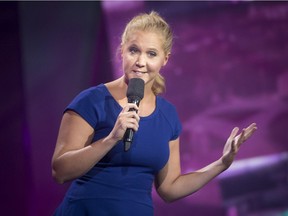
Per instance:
(148,93)
(118,89)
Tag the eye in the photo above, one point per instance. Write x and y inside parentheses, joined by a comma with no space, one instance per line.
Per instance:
(152,53)
(133,50)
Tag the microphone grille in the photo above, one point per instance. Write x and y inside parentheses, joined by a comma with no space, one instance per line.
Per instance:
(135,88)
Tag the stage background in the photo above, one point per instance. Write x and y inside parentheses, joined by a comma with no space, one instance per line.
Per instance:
(228,68)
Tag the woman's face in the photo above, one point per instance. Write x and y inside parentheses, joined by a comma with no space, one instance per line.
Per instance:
(143,56)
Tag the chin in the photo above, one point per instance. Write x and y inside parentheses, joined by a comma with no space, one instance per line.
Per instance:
(141,76)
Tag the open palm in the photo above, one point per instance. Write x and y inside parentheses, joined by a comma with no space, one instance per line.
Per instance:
(234,142)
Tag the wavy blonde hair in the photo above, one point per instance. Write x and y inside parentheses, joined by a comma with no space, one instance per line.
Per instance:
(151,22)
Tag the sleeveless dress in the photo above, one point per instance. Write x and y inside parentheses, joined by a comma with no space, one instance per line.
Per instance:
(121,183)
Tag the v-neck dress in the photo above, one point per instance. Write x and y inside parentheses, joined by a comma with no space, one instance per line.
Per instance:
(120,184)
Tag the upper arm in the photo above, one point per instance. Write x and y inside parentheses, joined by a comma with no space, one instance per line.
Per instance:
(74,133)
(171,171)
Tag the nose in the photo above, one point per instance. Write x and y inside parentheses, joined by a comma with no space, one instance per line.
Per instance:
(140,62)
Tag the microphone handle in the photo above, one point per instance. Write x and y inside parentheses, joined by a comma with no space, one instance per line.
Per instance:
(128,139)
(129,133)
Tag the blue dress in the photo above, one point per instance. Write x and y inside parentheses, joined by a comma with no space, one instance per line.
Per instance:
(121,183)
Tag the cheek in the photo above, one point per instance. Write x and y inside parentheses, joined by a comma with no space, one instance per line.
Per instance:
(155,66)
(127,59)
(127,62)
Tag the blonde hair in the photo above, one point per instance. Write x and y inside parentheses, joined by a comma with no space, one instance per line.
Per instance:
(151,22)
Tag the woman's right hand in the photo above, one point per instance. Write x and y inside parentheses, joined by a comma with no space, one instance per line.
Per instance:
(126,119)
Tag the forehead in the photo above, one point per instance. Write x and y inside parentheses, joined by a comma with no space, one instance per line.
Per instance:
(145,38)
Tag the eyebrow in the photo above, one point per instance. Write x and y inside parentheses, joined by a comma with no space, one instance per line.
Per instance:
(149,49)
(153,49)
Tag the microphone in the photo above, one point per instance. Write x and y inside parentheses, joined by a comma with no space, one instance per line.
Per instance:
(135,93)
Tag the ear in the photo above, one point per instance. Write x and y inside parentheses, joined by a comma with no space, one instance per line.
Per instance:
(166,59)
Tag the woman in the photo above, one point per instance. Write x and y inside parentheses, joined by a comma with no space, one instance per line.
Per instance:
(89,148)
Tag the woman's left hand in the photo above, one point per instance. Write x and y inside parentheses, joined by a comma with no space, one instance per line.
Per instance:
(234,142)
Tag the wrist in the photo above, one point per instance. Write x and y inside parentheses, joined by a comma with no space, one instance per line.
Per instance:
(112,140)
(222,164)
(225,163)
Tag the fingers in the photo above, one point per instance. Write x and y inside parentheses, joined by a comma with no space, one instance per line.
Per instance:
(131,115)
(245,134)
(233,133)
(130,107)
(235,140)
(240,138)
(231,140)
(233,146)
(128,118)
(250,130)
(132,120)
